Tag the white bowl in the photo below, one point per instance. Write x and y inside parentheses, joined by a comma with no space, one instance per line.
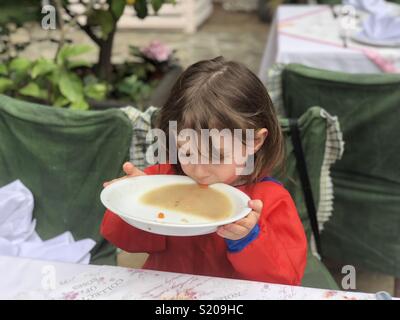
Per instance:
(122,196)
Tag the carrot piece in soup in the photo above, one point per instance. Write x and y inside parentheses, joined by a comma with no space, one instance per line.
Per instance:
(161,215)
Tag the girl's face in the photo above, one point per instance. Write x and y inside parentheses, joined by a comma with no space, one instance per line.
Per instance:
(232,157)
(211,173)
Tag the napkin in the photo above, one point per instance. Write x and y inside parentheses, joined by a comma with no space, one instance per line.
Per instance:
(377,27)
(19,238)
(378,7)
(16,206)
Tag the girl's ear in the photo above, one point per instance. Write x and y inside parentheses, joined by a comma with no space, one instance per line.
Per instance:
(259,138)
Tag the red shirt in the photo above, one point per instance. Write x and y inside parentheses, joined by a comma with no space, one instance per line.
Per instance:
(276,255)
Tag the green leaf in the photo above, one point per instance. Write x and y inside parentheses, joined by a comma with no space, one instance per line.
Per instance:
(104,20)
(69,51)
(118,7)
(71,86)
(90,79)
(128,85)
(79,63)
(5,84)
(157,4)
(61,101)
(135,51)
(42,67)
(141,8)
(134,88)
(3,69)
(80,105)
(33,90)
(96,91)
(54,77)
(19,65)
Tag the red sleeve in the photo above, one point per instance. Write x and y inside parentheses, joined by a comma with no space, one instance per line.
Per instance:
(160,169)
(279,253)
(129,238)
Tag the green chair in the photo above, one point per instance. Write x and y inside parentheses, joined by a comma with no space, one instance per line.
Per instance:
(365,227)
(63,157)
(320,143)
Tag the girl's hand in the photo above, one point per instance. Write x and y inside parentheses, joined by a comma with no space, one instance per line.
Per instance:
(130,170)
(242,227)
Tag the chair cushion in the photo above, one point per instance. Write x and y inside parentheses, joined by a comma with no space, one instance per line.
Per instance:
(63,156)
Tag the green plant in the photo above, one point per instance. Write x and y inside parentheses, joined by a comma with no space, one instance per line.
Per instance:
(156,57)
(134,88)
(66,81)
(53,82)
(139,75)
(101,18)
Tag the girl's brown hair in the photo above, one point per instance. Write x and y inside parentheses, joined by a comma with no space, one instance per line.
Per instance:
(225,94)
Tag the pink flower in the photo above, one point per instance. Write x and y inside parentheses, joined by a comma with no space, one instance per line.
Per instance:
(156,51)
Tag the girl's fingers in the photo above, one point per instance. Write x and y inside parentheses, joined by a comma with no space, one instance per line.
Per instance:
(227,234)
(107,183)
(131,170)
(235,229)
(250,221)
(256,205)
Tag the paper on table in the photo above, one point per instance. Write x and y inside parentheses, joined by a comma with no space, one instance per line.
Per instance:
(18,236)
(108,282)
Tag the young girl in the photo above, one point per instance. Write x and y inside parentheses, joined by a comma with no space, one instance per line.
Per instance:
(269,244)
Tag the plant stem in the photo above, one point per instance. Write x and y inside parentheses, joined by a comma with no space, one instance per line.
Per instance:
(58,6)
(84,28)
(104,66)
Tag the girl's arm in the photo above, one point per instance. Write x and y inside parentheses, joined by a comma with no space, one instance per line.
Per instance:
(122,234)
(128,238)
(275,251)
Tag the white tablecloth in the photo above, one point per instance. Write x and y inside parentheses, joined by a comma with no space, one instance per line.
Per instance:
(310,35)
(37,279)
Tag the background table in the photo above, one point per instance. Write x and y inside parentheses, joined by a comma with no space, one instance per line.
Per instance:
(36,279)
(310,35)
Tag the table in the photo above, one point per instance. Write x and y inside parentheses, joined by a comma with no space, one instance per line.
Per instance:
(22,278)
(310,35)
